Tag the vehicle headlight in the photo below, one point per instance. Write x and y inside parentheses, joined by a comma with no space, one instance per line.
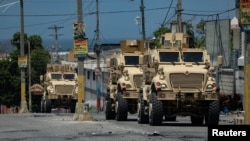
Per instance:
(163,86)
(209,86)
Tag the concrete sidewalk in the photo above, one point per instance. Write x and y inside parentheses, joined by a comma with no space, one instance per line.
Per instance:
(235,117)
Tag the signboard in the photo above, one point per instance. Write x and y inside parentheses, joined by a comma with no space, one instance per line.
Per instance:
(245,14)
(79,26)
(22,62)
(80,48)
(79,31)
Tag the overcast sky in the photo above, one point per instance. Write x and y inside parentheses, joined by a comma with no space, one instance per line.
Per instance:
(117,17)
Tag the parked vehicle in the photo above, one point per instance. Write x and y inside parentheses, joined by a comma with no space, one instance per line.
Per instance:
(60,87)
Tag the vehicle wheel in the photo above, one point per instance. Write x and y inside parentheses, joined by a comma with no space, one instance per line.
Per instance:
(155,111)
(142,117)
(121,108)
(197,120)
(42,105)
(109,113)
(213,114)
(72,107)
(47,105)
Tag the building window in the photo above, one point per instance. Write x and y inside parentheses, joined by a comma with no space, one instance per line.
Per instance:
(88,74)
(93,75)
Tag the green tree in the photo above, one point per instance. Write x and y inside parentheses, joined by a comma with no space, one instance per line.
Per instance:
(15,41)
(10,80)
(39,60)
(35,42)
(10,72)
(200,34)
(158,33)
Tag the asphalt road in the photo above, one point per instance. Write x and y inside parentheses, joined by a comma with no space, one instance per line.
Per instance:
(62,127)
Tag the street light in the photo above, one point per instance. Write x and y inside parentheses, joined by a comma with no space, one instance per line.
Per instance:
(138,22)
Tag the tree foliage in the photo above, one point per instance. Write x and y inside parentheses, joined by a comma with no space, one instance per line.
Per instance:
(196,34)
(39,60)
(10,92)
(158,33)
(10,80)
(200,34)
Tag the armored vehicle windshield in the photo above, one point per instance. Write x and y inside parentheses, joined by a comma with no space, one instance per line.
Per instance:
(193,56)
(131,60)
(169,56)
(56,76)
(69,76)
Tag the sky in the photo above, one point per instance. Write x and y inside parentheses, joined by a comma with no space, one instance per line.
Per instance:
(116,17)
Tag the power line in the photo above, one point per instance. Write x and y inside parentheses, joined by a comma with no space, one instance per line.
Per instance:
(124,11)
(89,13)
(164,21)
(56,35)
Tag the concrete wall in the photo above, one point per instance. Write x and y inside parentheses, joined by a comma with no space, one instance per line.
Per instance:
(227,82)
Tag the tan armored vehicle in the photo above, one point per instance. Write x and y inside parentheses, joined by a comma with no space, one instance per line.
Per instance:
(178,81)
(60,87)
(125,78)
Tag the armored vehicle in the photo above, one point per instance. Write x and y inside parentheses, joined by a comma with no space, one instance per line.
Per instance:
(178,81)
(125,77)
(60,87)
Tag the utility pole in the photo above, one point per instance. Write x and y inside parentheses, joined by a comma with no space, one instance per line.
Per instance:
(24,108)
(79,48)
(51,53)
(29,72)
(143,20)
(57,43)
(179,18)
(97,50)
(245,27)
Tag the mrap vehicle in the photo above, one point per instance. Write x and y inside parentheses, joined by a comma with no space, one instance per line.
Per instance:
(125,79)
(60,87)
(178,81)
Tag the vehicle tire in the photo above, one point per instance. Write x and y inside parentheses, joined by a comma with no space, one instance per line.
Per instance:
(42,105)
(142,117)
(109,113)
(197,120)
(155,111)
(72,107)
(121,108)
(213,114)
(47,105)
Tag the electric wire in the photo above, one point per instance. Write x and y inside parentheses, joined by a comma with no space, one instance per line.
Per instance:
(163,23)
